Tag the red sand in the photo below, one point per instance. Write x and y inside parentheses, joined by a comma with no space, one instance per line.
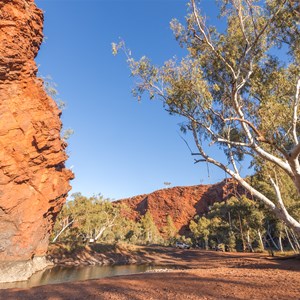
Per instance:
(214,275)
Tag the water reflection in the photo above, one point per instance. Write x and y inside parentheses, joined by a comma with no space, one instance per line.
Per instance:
(66,274)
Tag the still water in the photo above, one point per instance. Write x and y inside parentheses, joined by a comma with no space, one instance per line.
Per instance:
(66,274)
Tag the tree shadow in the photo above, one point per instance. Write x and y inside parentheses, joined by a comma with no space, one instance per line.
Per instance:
(174,285)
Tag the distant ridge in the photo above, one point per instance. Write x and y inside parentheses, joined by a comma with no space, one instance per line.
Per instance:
(182,203)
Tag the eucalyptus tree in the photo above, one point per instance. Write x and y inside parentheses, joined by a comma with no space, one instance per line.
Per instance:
(245,219)
(237,89)
(237,219)
(200,229)
(89,217)
(170,229)
(149,233)
(276,229)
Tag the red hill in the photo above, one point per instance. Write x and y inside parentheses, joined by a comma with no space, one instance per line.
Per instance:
(181,203)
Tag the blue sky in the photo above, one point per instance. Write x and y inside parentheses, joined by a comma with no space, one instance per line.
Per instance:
(120,148)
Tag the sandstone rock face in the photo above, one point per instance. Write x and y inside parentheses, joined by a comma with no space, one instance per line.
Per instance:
(33,179)
(181,203)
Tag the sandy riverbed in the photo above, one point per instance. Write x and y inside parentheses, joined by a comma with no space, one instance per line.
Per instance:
(210,275)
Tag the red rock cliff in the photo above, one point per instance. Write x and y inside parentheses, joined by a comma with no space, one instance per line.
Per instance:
(181,203)
(33,179)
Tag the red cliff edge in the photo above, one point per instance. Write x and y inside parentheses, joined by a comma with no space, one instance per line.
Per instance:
(33,179)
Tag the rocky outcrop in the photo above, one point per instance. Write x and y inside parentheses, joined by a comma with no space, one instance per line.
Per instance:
(33,179)
(180,203)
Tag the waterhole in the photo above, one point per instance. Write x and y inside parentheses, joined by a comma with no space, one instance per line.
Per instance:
(66,274)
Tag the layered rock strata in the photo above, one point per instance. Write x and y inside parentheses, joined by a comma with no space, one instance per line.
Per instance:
(33,179)
(182,204)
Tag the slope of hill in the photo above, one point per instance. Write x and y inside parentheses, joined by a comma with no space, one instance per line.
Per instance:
(180,203)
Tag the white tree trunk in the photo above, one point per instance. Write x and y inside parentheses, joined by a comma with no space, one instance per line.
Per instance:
(260,240)
(295,240)
(63,229)
(289,239)
(272,240)
(249,241)
(280,243)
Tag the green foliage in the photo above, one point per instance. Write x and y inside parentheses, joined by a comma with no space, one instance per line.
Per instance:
(51,89)
(231,241)
(238,224)
(201,229)
(96,219)
(237,89)
(91,217)
(230,222)
(170,230)
(241,224)
(289,193)
(149,231)
(67,133)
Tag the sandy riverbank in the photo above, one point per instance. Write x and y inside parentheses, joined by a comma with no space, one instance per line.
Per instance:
(211,275)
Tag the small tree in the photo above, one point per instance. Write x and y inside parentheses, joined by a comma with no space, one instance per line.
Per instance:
(200,229)
(150,233)
(170,229)
(231,241)
(237,90)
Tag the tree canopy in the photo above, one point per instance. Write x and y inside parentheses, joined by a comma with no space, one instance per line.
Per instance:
(237,89)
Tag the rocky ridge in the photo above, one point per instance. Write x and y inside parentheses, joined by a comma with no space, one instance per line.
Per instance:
(33,179)
(180,203)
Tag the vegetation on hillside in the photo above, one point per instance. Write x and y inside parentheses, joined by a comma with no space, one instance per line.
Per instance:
(237,224)
(96,219)
(244,224)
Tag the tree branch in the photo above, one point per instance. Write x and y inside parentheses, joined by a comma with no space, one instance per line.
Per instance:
(63,229)
(282,214)
(295,113)
(208,42)
(260,136)
(281,204)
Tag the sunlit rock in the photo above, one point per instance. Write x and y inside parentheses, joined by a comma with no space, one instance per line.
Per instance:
(33,179)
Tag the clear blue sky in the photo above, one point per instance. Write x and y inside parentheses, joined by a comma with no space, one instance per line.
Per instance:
(120,147)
